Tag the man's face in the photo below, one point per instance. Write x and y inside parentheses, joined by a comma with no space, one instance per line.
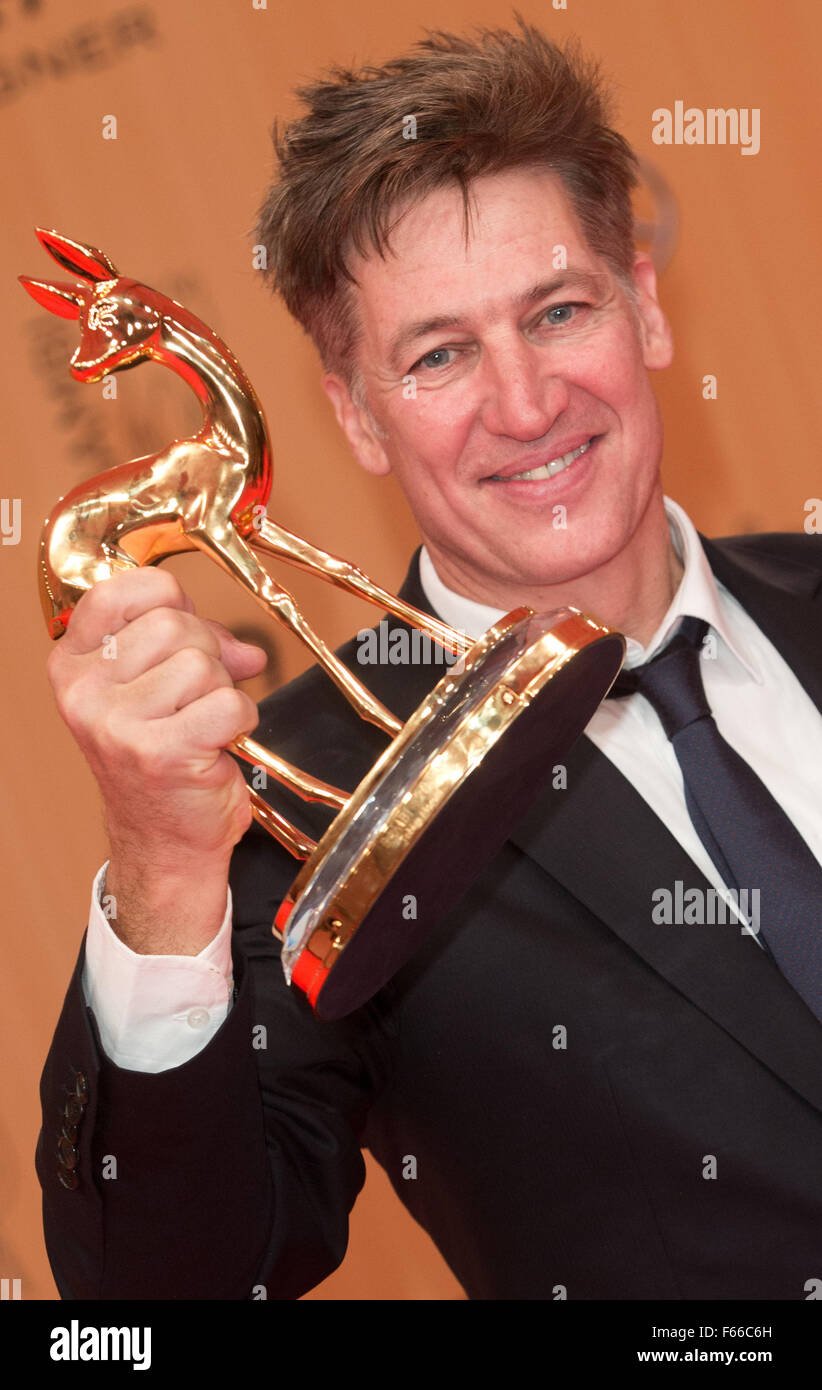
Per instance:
(484,361)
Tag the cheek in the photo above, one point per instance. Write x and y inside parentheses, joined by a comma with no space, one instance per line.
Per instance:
(449,409)
(427,436)
(632,384)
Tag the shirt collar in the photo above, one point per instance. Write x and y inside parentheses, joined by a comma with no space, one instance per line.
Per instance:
(698,595)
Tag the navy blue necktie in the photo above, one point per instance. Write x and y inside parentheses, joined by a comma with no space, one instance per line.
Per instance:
(751,841)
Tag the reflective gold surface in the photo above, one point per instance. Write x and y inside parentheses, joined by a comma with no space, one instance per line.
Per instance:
(208,492)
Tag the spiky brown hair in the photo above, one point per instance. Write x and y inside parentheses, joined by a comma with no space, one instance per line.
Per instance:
(495,101)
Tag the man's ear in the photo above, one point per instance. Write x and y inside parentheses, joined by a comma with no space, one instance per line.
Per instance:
(359,428)
(654,329)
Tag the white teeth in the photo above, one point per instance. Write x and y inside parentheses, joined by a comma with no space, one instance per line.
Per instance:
(548,470)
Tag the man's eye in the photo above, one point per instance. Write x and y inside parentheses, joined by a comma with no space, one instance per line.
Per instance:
(562,313)
(438,357)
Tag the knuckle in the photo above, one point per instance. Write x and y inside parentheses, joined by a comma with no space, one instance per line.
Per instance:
(70,704)
(168,584)
(95,597)
(71,693)
(210,641)
(168,626)
(164,589)
(200,667)
(102,608)
(237,707)
(107,596)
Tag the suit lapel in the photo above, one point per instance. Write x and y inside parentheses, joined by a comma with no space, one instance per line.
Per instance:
(570,834)
(782,596)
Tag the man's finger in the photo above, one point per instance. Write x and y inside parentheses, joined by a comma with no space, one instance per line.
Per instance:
(209,724)
(155,635)
(241,659)
(113,603)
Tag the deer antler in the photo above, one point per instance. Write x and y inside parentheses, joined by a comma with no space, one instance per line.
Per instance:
(61,299)
(87,262)
(82,260)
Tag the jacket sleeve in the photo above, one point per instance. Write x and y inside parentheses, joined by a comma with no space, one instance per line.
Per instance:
(232,1175)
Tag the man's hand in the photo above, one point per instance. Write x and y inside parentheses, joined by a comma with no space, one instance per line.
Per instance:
(147,690)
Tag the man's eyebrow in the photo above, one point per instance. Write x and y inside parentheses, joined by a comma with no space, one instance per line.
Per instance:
(582,281)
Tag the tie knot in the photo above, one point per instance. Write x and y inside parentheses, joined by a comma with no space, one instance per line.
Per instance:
(672,681)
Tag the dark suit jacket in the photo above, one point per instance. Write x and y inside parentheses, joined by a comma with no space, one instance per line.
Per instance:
(536,1165)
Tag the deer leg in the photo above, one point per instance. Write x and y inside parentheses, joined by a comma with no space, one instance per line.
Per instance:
(275,540)
(232,554)
(292,839)
(308,787)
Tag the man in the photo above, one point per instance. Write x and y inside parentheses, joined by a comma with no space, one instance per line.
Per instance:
(601,1102)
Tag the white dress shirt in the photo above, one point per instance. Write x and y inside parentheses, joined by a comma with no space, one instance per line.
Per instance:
(155,1012)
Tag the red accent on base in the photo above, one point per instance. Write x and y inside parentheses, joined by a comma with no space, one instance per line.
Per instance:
(284,911)
(309,975)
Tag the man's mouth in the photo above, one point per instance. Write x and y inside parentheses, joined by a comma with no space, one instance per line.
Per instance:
(545,470)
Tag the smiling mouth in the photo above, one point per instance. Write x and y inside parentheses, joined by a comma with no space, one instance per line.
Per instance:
(545,470)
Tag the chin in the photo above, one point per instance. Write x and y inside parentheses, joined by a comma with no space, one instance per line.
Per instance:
(566,565)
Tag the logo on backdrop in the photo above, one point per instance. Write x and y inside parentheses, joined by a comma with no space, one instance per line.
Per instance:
(85,48)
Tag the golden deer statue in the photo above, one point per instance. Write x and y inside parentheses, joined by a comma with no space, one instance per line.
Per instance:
(208,492)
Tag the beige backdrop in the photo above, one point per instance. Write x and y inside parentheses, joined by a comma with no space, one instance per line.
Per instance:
(194,85)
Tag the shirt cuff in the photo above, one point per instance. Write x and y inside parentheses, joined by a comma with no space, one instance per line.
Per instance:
(154,1012)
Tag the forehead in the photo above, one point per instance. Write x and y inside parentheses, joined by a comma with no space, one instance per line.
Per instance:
(437,265)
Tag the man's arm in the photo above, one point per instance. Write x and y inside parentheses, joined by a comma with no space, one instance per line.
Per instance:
(232,1174)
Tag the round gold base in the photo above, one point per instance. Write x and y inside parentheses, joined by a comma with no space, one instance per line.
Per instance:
(440,802)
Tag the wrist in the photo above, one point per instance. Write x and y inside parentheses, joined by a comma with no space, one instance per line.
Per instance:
(160,909)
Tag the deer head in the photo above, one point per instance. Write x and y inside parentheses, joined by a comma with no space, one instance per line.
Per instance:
(119,319)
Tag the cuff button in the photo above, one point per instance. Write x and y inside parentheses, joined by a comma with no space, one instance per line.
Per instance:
(68,1155)
(73,1110)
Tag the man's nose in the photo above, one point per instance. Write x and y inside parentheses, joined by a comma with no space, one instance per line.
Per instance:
(523,392)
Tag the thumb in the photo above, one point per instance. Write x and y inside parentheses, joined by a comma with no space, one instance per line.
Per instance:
(242,660)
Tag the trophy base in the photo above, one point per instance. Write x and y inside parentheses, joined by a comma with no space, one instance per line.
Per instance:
(441,802)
